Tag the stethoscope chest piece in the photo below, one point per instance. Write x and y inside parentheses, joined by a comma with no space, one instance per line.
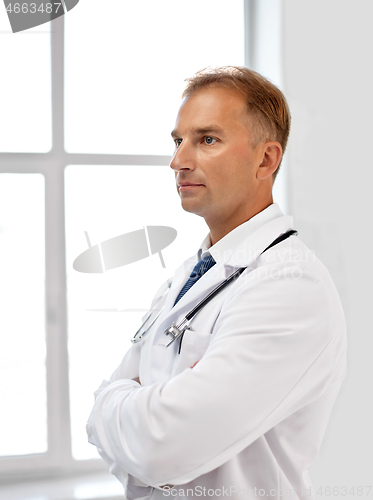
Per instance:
(174,331)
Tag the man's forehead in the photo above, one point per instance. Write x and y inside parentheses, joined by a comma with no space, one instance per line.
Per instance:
(211,109)
(211,113)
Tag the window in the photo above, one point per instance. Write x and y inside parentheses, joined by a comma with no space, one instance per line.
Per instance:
(88,102)
(22,319)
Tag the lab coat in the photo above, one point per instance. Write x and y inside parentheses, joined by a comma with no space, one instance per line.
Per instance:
(248,419)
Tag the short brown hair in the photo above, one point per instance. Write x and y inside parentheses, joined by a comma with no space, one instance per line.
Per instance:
(266,104)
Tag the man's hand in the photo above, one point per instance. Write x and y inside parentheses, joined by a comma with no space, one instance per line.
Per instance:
(138,380)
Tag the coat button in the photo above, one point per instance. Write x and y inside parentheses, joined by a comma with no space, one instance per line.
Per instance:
(88,430)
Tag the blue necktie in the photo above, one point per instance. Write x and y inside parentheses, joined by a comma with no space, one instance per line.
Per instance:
(199,270)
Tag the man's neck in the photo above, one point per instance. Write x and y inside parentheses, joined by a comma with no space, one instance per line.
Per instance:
(221,227)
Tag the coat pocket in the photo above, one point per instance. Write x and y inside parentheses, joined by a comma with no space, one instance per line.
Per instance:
(193,347)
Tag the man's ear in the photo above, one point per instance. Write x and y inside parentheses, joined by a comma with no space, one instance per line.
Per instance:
(271,157)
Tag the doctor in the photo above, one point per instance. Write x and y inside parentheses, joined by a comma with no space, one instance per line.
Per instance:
(238,405)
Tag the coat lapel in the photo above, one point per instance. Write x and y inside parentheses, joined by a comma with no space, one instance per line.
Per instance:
(200,289)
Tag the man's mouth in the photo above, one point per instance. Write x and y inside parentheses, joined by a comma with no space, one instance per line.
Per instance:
(186,186)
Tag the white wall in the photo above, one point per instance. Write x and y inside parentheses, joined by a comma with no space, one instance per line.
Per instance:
(328,79)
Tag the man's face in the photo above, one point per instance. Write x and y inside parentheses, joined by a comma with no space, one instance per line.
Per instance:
(213,152)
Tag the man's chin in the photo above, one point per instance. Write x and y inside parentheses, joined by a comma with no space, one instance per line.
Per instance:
(191,207)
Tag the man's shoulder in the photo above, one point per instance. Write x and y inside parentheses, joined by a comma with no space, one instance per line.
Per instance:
(291,277)
(295,257)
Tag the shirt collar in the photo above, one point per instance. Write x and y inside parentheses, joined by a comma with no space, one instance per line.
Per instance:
(223,249)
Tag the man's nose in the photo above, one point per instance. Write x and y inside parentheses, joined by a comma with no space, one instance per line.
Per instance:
(183,158)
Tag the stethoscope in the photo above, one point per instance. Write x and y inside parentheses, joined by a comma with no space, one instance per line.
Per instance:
(176,330)
(137,337)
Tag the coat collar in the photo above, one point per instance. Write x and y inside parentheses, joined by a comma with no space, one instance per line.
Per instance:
(224,248)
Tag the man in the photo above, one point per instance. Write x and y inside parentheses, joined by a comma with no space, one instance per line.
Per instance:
(238,404)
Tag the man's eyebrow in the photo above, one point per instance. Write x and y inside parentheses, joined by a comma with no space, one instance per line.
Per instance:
(213,129)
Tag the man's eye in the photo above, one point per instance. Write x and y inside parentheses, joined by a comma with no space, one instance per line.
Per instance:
(178,142)
(209,140)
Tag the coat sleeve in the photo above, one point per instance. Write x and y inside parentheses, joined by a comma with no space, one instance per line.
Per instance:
(274,349)
(127,369)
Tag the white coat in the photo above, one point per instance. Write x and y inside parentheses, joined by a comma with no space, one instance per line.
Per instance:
(248,419)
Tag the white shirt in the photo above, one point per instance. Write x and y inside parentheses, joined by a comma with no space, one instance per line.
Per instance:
(249,417)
